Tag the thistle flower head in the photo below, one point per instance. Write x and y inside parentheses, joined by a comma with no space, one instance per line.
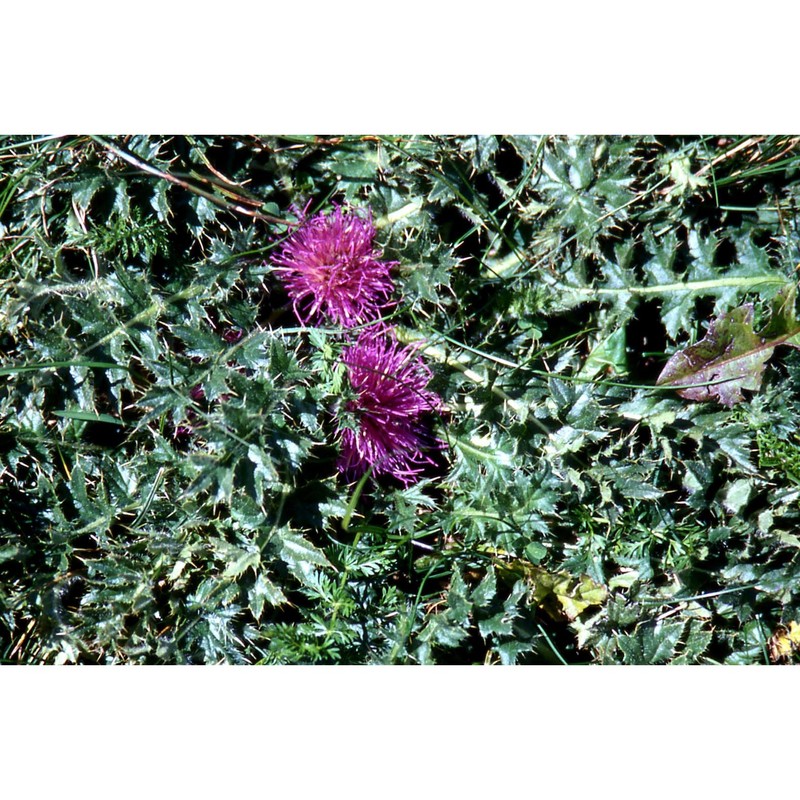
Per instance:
(386,431)
(332,269)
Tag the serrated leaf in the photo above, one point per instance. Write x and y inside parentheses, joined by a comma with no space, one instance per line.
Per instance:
(683,178)
(264,466)
(500,624)
(244,560)
(264,591)
(695,643)
(631,480)
(575,597)
(485,591)
(458,604)
(651,644)
(299,554)
(159,200)
(509,651)
(556,593)
(737,495)
(84,191)
(443,630)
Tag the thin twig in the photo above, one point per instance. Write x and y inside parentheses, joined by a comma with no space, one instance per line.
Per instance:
(210,196)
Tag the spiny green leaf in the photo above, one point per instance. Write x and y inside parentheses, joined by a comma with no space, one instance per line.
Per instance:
(651,644)
(264,591)
(737,495)
(299,554)
(244,560)
(485,591)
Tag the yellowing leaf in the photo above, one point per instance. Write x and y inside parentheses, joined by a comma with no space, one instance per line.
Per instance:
(557,593)
(575,599)
(785,642)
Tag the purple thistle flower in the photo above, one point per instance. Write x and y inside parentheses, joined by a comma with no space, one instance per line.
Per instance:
(385,430)
(332,269)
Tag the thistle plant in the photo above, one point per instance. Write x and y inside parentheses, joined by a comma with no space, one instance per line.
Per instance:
(332,269)
(187,476)
(382,427)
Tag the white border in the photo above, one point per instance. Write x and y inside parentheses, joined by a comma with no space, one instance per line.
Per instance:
(393,732)
(425,66)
